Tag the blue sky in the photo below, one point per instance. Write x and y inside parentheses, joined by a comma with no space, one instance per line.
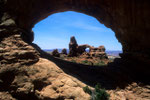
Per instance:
(55,31)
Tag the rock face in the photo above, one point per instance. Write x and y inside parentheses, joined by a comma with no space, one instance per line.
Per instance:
(15,52)
(73,47)
(24,75)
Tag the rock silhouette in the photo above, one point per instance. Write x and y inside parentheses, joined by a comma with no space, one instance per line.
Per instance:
(64,51)
(73,47)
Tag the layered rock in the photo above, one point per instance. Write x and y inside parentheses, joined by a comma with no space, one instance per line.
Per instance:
(15,52)
(98,52)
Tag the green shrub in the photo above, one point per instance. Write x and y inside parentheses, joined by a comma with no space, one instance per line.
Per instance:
(86,62)
(101,63)
(87,90)
(98,93)
(73,61)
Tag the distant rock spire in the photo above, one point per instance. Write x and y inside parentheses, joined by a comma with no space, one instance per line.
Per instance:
(73,47)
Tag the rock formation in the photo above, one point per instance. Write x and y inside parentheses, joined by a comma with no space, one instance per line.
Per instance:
(82,48)
(25,75)
(73,47)
(64,51)
(78,50)
(101,48)
(125,21)
(55,53)
(98,52)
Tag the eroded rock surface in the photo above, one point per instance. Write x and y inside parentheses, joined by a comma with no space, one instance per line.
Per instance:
(42,81)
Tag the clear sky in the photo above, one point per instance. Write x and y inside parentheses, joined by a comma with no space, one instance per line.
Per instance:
(55,31)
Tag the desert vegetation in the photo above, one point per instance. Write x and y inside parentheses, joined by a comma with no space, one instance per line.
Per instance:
(98,93)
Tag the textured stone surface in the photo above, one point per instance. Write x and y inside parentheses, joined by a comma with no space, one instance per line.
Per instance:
(15,52)
(131,92)
(40,81)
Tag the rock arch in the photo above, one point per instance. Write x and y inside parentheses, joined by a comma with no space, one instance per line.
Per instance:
(129,19)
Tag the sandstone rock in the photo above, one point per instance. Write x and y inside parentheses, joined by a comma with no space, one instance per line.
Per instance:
(55,53)
(73,47)
(6,96)
(82,48)
(98,52)
(40,81)
(101,48)
(15,50)
(132,93)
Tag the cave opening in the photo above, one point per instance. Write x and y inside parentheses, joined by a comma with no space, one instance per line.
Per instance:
(54,32)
